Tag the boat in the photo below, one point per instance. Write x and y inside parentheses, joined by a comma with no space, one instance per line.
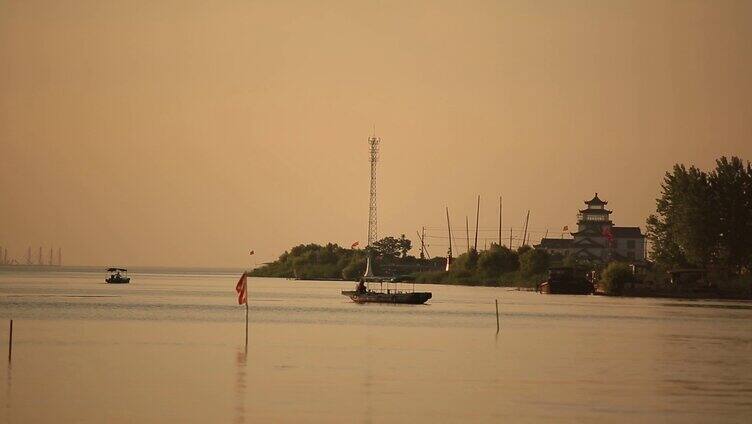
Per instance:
(116,277)
(566,280)
(363,294)
(388,296)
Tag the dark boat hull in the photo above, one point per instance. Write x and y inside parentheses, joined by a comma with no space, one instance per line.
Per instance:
(121,280)
(401,298)
(569,287)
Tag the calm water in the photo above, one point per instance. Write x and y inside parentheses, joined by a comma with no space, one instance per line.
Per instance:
(170,347)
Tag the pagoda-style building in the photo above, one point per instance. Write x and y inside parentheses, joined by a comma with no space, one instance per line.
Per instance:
(597,239)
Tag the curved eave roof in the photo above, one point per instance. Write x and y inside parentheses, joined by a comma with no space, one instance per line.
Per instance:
(595,201)
(596,211)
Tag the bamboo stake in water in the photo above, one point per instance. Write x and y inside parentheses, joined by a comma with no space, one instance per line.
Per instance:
(10,342)
(497,315)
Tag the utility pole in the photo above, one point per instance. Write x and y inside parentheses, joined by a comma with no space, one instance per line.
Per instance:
(499,221)
(510,238)
(449,253)
(467,233)
(39,262)
(477,216)
(421,237)
(524,235)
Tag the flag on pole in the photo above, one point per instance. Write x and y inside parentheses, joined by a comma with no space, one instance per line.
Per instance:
(242,289)
(354,245)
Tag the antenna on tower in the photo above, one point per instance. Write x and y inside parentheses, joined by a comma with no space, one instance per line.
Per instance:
(374,158)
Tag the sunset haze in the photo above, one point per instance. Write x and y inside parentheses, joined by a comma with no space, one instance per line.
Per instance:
(182,133)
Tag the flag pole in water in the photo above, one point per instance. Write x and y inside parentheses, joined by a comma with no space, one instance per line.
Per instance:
(10,342)
(242,289)
(246,325)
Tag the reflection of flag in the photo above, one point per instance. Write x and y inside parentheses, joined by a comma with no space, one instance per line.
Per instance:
(566,228)
(354,245)
(252,252)
(242,289)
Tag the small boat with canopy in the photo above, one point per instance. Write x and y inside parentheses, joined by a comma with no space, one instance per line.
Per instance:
(118,276)
(365,294)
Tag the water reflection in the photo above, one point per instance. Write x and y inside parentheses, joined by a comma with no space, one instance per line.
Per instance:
(241,358)
(8,391)
(368,380)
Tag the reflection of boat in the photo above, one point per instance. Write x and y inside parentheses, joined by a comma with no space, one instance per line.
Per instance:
(116,277)
(566,280)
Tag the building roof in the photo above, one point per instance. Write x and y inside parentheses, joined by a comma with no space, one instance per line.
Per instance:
(586,254)
(590,231)
(555,243)
(595,211)
(595,201)
(627,232)
(587,242)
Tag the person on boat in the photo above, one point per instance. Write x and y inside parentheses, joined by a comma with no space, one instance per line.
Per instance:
(361,287)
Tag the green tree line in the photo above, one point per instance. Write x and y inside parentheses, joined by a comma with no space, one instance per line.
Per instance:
(704,219)
(495,266)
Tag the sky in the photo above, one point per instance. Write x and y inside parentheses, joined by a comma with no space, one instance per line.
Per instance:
(187,133)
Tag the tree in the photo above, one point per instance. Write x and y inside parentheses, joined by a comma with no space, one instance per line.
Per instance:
(404,245)
(684,228)
(392,248)
(355,268)
(522,249)
(731,185)
(497,260)
(472,260)
(387,247)
(533,261)
(615,277)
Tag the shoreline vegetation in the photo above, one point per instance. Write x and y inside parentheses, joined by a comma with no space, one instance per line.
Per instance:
(495,267)
(703,223)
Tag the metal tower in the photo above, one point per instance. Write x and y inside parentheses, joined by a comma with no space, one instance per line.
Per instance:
(372,223)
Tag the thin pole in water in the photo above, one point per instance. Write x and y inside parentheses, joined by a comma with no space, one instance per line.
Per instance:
(10,342)
(246,322)
(497,315)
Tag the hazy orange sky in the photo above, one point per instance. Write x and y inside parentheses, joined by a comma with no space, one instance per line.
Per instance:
(187,133)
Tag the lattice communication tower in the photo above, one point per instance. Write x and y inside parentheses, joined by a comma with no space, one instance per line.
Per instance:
(372,222)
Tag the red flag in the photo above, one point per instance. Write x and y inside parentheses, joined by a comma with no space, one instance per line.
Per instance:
(608,234)
(242,289)
(354,245)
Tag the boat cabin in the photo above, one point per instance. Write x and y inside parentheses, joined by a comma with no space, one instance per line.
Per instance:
(117,276)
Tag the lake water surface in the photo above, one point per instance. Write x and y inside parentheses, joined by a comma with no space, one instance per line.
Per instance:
(171,347)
